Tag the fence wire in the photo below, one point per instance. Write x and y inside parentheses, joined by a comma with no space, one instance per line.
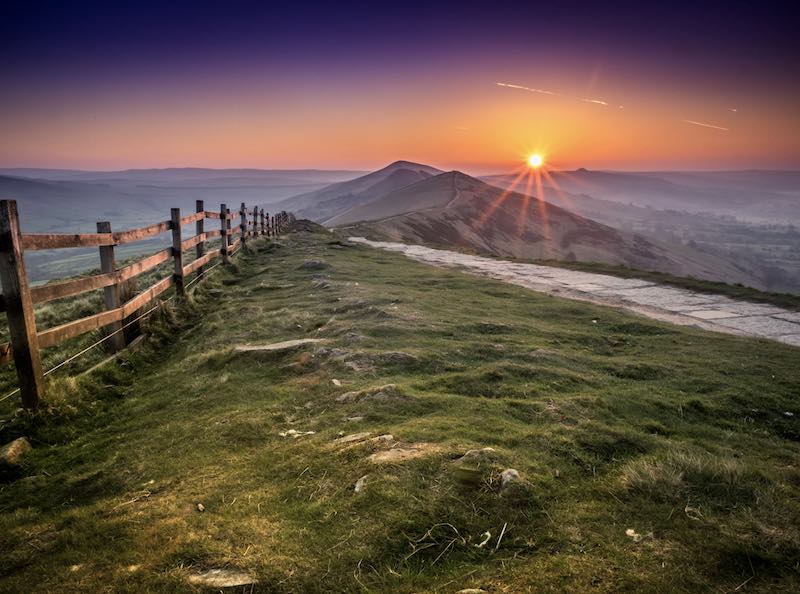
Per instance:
(105,338)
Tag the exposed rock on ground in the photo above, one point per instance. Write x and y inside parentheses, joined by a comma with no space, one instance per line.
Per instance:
(401,454)
(314,265)
(508,477)
(222,578)
(387,392)
(286,345)
(12,453)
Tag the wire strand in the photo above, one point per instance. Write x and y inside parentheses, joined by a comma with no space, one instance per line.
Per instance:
(105,338)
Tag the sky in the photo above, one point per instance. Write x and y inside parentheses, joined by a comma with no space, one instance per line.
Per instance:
(473,86)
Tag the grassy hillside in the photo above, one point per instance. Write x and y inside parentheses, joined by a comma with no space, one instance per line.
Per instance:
(653,458)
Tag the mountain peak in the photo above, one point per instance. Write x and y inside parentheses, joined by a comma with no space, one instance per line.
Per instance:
(408,165)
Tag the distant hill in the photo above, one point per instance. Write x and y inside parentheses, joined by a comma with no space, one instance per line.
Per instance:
(456,210)
(330,201)
(61,201)
(757,196)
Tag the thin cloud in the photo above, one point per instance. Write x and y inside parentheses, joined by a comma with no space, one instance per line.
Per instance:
(529,89)
(597,101)
(704,125)
(551,93)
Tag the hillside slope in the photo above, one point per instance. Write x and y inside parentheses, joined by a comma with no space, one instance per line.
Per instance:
(457,210)
(765,196)
(652,458)
(327,202)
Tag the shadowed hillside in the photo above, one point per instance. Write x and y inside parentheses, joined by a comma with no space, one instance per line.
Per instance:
(456,210)
(332,200)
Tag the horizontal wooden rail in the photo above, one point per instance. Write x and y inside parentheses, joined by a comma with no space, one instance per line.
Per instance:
(240,224)
(48,241)
(142,232)
(192,218)
(147,296)
(201,261)
(51,291)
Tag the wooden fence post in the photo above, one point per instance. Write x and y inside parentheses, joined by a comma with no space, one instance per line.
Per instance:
(223,230)
(177,251)
(19,307)
(262,231)
(111,294)
(243,223)
(199,229)
(228,225)
(255,221)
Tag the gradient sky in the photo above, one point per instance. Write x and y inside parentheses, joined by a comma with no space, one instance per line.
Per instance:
(290,85)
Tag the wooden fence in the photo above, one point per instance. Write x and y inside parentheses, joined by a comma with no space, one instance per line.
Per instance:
(19,297)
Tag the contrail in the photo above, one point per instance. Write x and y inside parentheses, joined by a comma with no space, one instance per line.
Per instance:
(706,125)
(521,88)
(552,93)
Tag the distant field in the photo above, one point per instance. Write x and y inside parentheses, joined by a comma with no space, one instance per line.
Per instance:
(653,458)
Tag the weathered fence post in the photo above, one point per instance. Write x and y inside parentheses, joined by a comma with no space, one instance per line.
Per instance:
(223,231)
(228,224)
(111,294)
(262,231)
(199,229)
(243,223)
(177,251)
(19,307)
(255,221)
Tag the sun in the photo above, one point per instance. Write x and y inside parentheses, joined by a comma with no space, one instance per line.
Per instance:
(535,160)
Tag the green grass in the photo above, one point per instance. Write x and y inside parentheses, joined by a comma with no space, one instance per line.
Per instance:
(655,458)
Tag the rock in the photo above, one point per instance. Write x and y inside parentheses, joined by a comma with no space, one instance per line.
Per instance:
(788,414)
(321,284)
(397,358)
(385,392)
(222,578)
(472,591)
(354,419)
(360,484)
(348,397)
(401,454)
(275,347)
(314,265)
(201,507)
(294,434)
(336,383)
(508,477)
(12,453)
(386,438)
(477,456)
(353,438)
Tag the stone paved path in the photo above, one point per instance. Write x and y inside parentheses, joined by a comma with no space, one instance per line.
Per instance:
(662,302)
